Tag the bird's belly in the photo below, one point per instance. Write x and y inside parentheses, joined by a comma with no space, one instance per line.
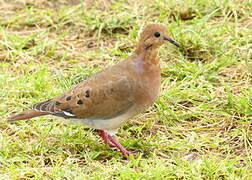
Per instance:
(105,124)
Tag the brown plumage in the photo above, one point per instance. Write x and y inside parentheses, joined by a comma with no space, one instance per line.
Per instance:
(113,95)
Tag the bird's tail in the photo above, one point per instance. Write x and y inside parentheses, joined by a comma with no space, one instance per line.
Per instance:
(26,115)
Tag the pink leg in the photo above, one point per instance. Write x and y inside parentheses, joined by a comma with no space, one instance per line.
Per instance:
(104,135)
(113,140)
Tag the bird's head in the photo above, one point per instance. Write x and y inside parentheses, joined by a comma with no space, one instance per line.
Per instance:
(154,35)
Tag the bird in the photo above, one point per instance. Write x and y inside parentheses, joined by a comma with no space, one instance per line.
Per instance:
(112,96)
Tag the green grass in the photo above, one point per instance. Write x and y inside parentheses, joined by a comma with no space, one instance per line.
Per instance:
(199,128)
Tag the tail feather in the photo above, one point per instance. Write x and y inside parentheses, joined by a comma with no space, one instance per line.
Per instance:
(26,115)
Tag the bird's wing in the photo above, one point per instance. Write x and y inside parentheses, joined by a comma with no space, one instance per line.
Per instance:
(104,96)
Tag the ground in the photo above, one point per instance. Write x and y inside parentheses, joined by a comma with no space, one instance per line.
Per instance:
(199,128)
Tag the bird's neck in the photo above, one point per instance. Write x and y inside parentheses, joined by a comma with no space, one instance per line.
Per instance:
(147,54)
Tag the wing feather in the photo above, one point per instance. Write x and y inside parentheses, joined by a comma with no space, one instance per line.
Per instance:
(96,98)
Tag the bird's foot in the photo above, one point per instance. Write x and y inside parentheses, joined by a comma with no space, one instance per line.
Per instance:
(116,143)
(104,136)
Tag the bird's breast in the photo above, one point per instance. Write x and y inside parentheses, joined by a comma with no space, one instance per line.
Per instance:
(147,80)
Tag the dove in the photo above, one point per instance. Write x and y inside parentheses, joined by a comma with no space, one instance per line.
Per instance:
(114,95)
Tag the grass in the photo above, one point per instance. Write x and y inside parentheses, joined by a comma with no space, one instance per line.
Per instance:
(199,128)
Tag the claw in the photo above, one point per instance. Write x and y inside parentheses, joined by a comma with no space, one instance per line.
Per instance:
(116,143)
(127,153)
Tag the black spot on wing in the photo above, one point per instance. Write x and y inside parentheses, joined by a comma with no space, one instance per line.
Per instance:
(68,98)
(80,102)
(87,93)
(57,103)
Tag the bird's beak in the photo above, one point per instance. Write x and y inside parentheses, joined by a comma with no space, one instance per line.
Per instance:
(172,41)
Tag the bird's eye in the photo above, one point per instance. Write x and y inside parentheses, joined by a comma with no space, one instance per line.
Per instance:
(157,34)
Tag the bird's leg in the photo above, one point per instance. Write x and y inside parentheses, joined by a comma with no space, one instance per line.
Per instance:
(114,141)
(104,135)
